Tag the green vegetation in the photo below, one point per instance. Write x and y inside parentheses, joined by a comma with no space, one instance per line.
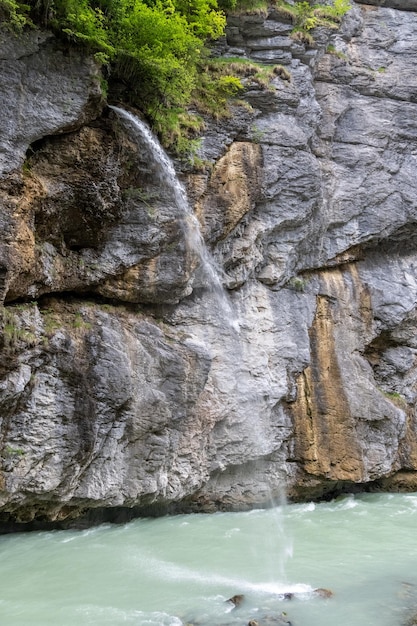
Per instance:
(50,323)
(297,284)
(154,48)
(12,331)
(80,322)
(396,398)
(340,55)
(9,451)
(257,134)
(227,68)
(251,7)
(158,51)
(306,17)
(139,194)
(14,14)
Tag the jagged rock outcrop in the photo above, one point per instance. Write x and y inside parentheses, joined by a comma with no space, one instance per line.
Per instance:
(128,380)
(50,91)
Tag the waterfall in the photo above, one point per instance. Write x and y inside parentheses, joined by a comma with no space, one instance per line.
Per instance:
(164,172)
(227,348)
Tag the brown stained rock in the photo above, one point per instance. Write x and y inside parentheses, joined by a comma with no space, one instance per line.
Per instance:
(62,206)
(323,593)
(337,409)
(85,217)
(232,190)
(325,430)
(17,248)
(403,481)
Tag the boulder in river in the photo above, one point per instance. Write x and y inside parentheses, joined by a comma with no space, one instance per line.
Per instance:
(236,600)
(323,593)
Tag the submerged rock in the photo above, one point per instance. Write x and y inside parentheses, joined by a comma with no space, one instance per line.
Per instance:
(323,593)
(236,600)
(269,620)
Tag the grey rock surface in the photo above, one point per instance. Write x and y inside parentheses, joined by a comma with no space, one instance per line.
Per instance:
(50,92)
(402,5)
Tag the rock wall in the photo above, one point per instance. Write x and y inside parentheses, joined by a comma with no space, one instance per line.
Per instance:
(128,382)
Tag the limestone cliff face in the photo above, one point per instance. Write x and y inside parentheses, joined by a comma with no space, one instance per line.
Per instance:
(127,379)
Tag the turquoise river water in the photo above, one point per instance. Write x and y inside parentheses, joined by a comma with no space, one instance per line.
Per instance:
(182,569)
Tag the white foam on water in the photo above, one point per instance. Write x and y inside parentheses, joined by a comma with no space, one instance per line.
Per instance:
(80,534)
(310,506)
(68,539)
(411,499)
(111,615)
(166,570)
(280,588)
(347,503)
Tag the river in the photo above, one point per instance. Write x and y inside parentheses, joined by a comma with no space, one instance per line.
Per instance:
(182,569)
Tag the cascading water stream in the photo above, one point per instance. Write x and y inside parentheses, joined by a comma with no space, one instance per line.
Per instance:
(165,174)
(162,170)
(276,542)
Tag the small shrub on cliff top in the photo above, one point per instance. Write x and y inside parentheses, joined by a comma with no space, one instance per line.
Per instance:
(214,90)
(306,16)
(249,7)
(13,14)
(158,48)
(228,68)
(154,47)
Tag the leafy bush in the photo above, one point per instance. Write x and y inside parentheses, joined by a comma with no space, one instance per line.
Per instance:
(154,47)
(249,7)
(14,14)
(157,49)
(306,16)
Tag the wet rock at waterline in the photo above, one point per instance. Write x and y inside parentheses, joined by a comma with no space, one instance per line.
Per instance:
(266,620)
(320,592)
(323,593)
(128,384)
(240,608)
(236,600)
(270,620)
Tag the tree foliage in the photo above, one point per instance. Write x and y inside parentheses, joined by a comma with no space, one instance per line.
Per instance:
(157,48)
(153,46)
(13,14)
